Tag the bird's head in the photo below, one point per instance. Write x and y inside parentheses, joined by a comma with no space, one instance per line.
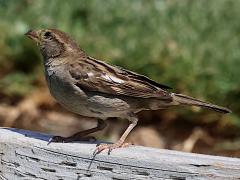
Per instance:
(52,42)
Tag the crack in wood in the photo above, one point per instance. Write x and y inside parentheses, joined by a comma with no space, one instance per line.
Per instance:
(48,170)
(84,175)
(11,164)
(142,173)
(67,163)
(113,163)
(114,178)
(177,178)
(27,174)
(34,159)
(105,168)
(2,177)
(200,165)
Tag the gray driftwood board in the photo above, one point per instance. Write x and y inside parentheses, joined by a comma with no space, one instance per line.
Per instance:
(26,155)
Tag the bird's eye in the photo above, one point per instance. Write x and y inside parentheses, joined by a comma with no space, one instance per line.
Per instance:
(48,35)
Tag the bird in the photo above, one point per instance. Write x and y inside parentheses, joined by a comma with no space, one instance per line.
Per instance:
(93,88)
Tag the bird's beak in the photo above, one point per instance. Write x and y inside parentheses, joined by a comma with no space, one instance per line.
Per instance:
(33,35)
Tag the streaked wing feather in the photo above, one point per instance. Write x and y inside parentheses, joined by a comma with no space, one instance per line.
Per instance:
(144,78)
(95,75)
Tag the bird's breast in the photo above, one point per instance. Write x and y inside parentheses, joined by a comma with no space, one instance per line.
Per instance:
(61,87)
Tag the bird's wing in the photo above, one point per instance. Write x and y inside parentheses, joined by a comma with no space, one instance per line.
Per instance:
(94,75)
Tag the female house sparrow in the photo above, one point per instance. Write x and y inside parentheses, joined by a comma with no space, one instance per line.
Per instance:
(92,88)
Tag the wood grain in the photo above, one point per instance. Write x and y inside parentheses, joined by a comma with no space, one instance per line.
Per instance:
(26,155)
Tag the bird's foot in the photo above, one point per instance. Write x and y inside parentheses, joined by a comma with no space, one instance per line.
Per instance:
(110,147)
(60,139)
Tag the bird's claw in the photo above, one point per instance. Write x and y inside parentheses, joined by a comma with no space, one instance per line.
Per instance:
(110,147)
(57,139)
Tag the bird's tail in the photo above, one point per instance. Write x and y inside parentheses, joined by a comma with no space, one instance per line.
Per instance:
(186,100)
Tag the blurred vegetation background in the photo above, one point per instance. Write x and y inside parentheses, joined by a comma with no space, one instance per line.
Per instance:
(192,46)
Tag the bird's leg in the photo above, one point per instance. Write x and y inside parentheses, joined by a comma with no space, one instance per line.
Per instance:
(80,136)
(120,143)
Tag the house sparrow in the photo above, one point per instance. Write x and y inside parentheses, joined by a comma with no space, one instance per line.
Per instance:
(93,88)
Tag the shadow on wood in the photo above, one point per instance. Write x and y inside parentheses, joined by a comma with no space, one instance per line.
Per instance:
(26,155)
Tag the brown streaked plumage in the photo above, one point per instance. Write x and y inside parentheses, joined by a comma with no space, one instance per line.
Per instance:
(93,88)
(94,75)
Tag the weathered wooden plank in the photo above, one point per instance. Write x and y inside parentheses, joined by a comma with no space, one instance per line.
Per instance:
(26,155)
